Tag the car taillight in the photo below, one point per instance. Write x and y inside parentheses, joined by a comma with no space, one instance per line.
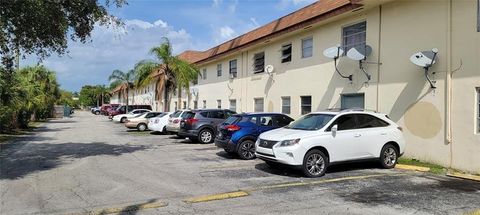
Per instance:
(400,128)
(232,127)
(191,121)
(176,121)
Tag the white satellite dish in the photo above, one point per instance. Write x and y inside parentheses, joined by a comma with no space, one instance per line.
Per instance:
(333,52)
(424,58)
(269,69)
(194,91)
(360,52)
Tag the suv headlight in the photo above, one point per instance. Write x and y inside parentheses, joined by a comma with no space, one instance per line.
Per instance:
(285,143)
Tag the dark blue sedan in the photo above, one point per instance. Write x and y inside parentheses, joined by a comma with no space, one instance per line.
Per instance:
(239,132)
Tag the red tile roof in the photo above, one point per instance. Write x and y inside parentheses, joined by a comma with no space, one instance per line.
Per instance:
(299,19)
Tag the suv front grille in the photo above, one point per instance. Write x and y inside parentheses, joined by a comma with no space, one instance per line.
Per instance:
(266,143)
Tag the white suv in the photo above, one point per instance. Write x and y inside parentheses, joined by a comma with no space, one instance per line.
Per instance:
(317,140)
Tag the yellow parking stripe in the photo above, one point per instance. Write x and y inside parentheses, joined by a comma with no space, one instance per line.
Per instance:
(214,197)
(126,209)
(464,176)
(411,167)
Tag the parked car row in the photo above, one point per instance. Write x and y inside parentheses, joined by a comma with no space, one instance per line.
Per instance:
(310,143)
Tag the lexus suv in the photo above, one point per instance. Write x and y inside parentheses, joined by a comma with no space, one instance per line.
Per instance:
(239,132)
(202,124)
(320,139)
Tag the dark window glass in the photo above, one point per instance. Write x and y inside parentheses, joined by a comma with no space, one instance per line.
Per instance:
(307,47)
(306,104)
(219,70)
(259,62)
(281,121)
(369,121)
(286,104)
(266,121)
(354,36)
(233,68)
(286,53)
(232,120)
(217,114)
(188,115)
(345,122)
(205,114)
(311,122)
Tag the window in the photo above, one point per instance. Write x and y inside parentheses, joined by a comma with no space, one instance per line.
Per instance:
(287,53)
(345,122)
(195,81)
(286,104)
(233,68)
(176,106)
(354,35)
(204,74)
(195,104)
(258,104)
(259,62)
(266,121)
(233,105)
(478,110)
(280,120)
(217,114)
(219,70)
(184,105)
(356,100)
(311,122)
(305,104)
(219,103)
(204,104)
(369,121)
(307,47)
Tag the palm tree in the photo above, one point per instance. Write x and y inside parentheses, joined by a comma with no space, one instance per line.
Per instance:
(126,78)
(175,72)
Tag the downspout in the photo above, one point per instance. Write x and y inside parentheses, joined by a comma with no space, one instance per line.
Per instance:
(378,57)
(448,83)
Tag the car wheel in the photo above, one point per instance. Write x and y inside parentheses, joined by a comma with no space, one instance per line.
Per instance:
(246,150)
(141,127)
(388,156)
(205,136)
(164,130)
(123,119)
(97,112)
(314,163)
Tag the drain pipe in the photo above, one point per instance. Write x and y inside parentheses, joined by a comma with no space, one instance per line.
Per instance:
(448,84)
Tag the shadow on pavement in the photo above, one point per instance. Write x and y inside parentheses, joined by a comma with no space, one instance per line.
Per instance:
(34,157)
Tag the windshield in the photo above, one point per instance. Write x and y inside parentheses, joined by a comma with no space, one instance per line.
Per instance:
(232,120)
(311,122)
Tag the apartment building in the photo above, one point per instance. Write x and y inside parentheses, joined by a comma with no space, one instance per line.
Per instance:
(280,67)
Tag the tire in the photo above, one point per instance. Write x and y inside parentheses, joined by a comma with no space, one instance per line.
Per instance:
(388,156)
(97,112)
(314,163)
(205,136)
(123,119)
(246,150)
(164,130)
(141,127)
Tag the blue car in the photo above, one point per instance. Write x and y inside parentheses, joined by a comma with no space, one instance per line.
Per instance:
(240,131)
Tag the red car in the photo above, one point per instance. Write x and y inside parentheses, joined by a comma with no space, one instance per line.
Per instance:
(105,108)
(121,109)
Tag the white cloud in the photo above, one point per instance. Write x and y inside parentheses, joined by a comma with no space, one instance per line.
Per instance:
(112,48)
(226,32)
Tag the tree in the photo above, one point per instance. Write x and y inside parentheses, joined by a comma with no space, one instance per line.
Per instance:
(93,95)
(175,72)
(126,78)
(41,27)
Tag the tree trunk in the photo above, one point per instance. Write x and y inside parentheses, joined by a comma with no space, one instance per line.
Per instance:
(179,105)
(126,106)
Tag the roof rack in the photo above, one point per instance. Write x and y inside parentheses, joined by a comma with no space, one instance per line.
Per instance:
(350,109)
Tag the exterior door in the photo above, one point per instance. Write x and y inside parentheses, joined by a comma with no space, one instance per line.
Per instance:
(344,144)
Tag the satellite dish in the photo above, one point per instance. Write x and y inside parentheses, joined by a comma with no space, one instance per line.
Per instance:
(360,52)
(194,91)
(333,52)
(269,69)
(424,58)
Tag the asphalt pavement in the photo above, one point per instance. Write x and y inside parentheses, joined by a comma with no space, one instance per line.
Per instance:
(89,165)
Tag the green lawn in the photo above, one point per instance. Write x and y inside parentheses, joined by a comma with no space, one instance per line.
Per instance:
(434,168)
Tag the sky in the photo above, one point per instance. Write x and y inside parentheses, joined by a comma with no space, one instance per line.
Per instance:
(189,25)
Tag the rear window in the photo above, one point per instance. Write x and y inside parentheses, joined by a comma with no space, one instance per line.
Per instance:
(176,114)
(188,115)
(232,120)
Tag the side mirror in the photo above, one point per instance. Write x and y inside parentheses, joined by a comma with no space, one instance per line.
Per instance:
(334,130)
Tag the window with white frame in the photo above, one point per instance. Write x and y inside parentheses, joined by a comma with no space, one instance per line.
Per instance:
(233,105)
(305,104)
(219,70)
(352,100)
(204,104)
(233,68)
(258,104)
(307,47)
(175,106)
(219,103)
(184,105)
(259,62)
(286,53)
(204,74)
(286,104)
(354,35)
(195,104)
(478,110)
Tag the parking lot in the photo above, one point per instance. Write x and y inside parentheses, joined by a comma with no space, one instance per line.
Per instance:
(87,164)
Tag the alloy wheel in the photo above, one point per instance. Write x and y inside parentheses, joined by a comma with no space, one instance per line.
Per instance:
(206,136)
(247,150)
(315,164)
(390,157)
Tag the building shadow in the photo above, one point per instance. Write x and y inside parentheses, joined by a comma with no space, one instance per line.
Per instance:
(281,170)
(36,157)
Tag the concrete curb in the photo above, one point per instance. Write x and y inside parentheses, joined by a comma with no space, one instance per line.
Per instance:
(412,167)
(464,176)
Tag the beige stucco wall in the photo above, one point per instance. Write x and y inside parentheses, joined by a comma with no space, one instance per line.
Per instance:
(398,88)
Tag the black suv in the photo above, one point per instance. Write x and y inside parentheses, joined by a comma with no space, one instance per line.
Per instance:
(202,124)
